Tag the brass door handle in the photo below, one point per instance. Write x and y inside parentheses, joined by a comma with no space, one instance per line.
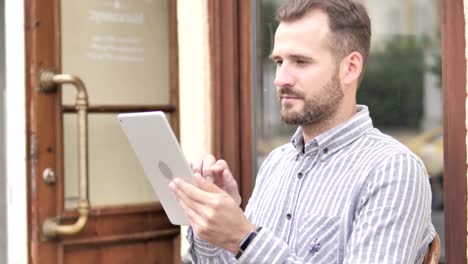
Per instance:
(49,82)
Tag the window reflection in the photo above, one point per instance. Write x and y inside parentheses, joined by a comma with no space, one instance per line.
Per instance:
(402,85)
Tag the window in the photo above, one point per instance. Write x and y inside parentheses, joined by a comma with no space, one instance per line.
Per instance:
(402,85)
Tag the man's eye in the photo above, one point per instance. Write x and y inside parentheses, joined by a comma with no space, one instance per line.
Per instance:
(278,62)
(300,62)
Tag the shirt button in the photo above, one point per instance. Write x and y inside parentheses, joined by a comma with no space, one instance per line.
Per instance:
(300,175)
(325,150)
(288,216)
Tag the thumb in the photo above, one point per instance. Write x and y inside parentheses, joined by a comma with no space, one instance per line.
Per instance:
(206,185)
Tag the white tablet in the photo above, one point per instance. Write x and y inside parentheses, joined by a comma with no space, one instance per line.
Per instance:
(160,155)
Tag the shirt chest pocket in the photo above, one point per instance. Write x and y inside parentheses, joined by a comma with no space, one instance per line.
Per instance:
(318,238)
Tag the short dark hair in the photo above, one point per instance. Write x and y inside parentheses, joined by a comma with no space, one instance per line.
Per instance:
(348,20)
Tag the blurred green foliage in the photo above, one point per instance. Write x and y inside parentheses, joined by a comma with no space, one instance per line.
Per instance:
(392,86)
(269,25)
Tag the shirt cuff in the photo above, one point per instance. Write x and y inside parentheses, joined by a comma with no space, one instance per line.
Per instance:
(200,246)
(265,248)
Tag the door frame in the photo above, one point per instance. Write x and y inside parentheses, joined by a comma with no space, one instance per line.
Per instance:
(231,68)
(231,85)
(3,203)
(454,81)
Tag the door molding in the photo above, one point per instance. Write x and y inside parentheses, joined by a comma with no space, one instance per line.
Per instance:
(3,189)
(230,65)
(455,165)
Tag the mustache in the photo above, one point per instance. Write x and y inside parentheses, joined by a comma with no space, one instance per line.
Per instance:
(285,90)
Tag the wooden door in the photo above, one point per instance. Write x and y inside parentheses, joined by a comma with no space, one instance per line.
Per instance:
(112,39)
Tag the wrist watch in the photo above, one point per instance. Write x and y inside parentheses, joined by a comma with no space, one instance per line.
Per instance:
(245,242)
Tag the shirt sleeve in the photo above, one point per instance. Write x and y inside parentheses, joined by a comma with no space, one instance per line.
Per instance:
(264,249)
(203,252)
(393,216)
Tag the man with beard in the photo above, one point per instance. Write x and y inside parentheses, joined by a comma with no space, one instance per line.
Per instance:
(341,191)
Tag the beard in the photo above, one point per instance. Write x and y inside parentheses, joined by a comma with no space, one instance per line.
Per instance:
(315,110)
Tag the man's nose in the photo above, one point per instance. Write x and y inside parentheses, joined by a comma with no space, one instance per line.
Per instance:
(283,76)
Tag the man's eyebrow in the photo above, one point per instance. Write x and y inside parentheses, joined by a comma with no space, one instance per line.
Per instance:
(300,57)
(291,56)
(274,57)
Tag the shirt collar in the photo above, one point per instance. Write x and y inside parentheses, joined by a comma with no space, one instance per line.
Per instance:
(336,138)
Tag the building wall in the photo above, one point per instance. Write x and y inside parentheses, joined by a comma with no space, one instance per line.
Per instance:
(194,74)
(3,229)
(15,132)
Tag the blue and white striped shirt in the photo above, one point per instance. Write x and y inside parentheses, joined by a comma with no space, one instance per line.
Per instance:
(350,195)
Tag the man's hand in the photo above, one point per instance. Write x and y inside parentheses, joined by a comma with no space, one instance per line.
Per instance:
(218,172)
(213,215)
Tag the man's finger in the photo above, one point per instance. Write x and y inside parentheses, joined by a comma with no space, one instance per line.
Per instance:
(197,166)
(186,205)
(206,185)
(192,208)
(208,162)
(219,166)
(217,171)
(231,187)
(186,190)
(230,183)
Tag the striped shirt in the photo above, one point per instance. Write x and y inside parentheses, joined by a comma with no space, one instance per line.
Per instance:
(350,195)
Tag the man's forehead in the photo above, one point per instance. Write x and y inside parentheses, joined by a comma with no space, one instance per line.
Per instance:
(314,20)
(308,32)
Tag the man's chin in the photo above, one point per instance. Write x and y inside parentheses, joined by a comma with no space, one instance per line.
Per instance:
(291,117)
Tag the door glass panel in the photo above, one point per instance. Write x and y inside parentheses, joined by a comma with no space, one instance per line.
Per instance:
(115,174)
(119,48)
(402,85)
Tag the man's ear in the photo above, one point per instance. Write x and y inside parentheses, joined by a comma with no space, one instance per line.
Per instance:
(351,68)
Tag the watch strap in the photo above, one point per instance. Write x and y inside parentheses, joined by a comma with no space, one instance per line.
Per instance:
(245,242)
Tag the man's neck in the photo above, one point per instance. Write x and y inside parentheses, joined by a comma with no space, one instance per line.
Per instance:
(310,131)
